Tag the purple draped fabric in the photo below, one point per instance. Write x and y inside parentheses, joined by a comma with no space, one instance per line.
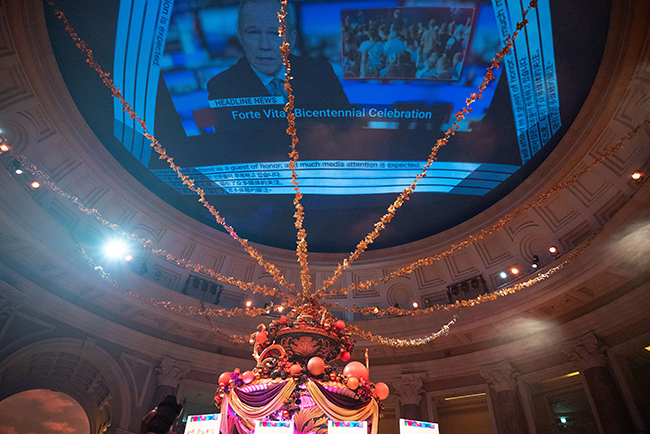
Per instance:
(339,400)
(260,398)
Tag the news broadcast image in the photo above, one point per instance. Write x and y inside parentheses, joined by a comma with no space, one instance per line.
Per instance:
(376,84)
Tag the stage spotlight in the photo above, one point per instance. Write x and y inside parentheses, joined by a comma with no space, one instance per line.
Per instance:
(17,166)
(4,147)
(503,275)
(535,263)
(637,175)
(415,305)
(249,303)
(514,270)
(115,249)
(35,184)
(128,258)
(280,308)
(552,250)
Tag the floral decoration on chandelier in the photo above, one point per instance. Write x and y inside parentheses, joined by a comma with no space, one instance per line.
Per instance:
(294,378)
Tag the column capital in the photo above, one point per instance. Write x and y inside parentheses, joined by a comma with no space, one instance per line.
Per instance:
(172,371)
(501,376)
(586,351)
(408,387)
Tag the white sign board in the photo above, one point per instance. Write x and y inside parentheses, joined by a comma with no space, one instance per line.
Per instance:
(203,424)
(274,427)
(407,426)
(347,427)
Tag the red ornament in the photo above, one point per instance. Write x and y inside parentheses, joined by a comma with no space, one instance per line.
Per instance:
(345,356)
(261,337)
(356,369)
(339,325)
(316,366)
(381,390)
(224,378)
(247,376)
(353,383)
(295,369)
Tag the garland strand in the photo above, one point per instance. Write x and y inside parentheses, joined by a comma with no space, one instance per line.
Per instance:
(429,260)
(301,250)
(46,180)
(394,342)
(176,308)
(155,144)
(406,193)
(299,215)
(540,277)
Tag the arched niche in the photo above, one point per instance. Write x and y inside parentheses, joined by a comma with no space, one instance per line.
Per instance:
(78,368)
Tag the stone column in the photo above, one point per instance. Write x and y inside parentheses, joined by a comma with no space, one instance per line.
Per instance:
(509,414)
(409,390)
(589,354)
(170,373)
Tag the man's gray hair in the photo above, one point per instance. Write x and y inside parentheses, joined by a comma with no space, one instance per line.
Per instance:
(290,19)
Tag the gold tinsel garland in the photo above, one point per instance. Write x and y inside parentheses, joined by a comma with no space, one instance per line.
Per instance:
(299,215)
(429,260)
(187,181)
(405,195)
(46,181)
(301,249)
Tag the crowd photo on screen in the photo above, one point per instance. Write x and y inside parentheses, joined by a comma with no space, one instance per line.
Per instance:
(427,43)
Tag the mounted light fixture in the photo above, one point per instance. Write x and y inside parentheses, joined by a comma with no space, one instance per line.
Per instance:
(35,184)
(535,264)
(17,167)
(637,175)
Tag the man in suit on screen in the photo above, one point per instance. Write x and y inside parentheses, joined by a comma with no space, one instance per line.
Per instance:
(261,71)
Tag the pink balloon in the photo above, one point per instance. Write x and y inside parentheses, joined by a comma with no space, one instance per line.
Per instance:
(356,369)
(353,383)
(381,389)
(295,369)
(316,366)
(247,376)
(224,378)
(339,325)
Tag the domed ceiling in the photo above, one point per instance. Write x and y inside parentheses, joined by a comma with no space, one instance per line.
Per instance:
(376,84)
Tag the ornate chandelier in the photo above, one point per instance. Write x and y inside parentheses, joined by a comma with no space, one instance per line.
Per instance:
(295,378)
